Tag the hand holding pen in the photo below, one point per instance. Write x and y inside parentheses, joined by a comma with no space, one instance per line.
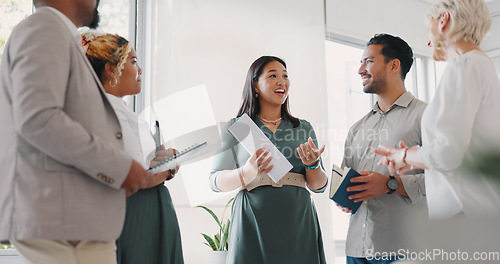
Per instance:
(157,136)
(160,156)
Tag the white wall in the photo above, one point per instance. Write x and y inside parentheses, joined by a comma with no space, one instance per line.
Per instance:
(361,19)
(213,43)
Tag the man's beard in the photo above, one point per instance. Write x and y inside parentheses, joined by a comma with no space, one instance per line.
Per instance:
(95,20)
(376,86)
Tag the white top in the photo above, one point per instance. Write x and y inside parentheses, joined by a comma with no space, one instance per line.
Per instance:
(459,123)
(137,138)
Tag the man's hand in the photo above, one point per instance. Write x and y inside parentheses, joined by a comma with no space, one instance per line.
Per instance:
(344,209)
(375,185)
(137,178)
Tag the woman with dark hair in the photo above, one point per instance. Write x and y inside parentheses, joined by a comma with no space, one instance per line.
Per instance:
(272,222)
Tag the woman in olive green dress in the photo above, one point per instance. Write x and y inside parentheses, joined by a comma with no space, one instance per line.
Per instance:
(272,224)
(150,233)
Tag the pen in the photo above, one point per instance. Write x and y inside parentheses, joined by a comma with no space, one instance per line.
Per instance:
(157,135)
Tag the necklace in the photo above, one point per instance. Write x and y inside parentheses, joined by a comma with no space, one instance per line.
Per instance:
(268,121)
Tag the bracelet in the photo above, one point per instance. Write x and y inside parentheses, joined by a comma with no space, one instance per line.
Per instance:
(312,167)
(240,172)
(171,174)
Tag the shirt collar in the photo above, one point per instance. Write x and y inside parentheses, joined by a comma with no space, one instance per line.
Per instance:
(112,97)
(72,28)
(403,101)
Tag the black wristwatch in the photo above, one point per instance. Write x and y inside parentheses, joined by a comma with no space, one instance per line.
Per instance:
(392,184)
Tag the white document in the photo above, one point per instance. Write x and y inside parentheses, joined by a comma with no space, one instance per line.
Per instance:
(252,138)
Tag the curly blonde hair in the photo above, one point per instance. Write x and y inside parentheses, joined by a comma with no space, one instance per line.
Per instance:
(106,48)
(470,20)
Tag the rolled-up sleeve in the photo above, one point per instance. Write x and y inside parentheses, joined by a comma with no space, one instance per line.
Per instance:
(415,187)
(226,159)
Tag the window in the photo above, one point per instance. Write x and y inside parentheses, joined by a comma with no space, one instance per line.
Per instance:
(348,104)
(12,12)
(345,92)
(115,17)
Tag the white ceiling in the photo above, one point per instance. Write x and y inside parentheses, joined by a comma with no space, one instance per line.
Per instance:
(374,17)
(435,1)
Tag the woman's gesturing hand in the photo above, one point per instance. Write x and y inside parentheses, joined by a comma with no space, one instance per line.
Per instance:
(309,153)
(394,158)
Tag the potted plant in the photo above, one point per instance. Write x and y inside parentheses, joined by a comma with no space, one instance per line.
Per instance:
(218,243)
(6,246)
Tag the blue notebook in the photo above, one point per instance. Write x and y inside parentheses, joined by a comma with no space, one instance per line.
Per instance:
(341,179)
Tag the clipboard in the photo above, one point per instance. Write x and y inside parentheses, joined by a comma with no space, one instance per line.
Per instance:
(180,158)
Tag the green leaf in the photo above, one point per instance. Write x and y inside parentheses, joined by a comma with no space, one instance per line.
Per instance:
(210,241)
(228,202)
(225,208)
(217,241)
(225,234)
(213,215)
(220,241)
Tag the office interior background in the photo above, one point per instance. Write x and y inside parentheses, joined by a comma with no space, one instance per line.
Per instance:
(195,55)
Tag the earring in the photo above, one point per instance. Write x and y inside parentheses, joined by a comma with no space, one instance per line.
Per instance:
(439,45)
(256,95)
(111,83)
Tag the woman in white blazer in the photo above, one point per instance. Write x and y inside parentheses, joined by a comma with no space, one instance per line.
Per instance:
(151,231)
(459,125)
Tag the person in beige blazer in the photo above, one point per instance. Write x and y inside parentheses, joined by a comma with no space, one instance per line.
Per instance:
(64,174)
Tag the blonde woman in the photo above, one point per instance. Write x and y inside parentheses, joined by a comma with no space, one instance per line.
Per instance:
(151,231)
(460,122)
